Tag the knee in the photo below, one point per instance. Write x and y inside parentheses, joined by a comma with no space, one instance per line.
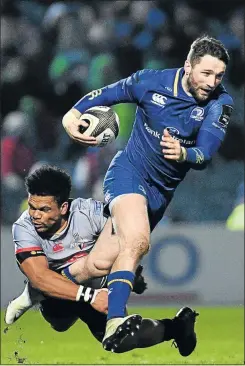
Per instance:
(61,325)
(59,322)
(143,245)
(139,245)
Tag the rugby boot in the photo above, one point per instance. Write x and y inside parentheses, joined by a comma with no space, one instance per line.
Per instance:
(185,337)
(18,306)
(117,329)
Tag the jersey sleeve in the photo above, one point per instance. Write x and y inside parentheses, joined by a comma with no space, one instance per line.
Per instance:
(26,244)
(211,133)
(129,90)
(218,117)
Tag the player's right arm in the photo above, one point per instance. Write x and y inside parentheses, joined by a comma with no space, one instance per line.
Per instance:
(129,90)
(47,281)
(33,263)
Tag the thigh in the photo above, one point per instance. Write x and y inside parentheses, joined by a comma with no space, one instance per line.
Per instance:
(99,261)
(130,217)
(123,179)
(60,314)
(104,252)
(126,195)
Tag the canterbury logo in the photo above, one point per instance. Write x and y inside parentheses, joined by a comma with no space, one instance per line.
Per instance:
(95,93)
(159,99)
(199,155)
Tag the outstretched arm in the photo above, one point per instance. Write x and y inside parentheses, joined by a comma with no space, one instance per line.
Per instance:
(55,285)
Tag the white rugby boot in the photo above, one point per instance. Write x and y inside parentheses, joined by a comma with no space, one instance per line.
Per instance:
(117,329)
(18,306)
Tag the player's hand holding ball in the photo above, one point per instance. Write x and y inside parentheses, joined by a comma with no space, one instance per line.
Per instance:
(172,149)
(97,126)
(72,123)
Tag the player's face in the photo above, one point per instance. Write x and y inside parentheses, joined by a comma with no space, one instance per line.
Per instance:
(46,214)
(205,76)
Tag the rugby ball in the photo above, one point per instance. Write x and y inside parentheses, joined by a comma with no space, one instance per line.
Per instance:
(103,124)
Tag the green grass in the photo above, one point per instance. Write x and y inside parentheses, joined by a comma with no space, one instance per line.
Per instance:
(220,341)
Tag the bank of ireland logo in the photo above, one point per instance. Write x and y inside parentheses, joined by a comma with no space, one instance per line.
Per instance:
(159,99)
(197,114)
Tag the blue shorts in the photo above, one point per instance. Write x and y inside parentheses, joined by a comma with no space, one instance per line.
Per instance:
(122,178)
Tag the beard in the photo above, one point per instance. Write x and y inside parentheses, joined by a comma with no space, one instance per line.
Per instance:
(48,230)
(195,90)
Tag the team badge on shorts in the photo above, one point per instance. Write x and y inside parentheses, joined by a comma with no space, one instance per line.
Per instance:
(142,189)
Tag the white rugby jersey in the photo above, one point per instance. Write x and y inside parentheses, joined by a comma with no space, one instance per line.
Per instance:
(86,221)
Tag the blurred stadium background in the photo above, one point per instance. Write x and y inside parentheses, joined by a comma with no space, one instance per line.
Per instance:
(52,53)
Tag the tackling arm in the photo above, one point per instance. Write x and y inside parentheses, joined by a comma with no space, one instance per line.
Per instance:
(48,281)
(55,285)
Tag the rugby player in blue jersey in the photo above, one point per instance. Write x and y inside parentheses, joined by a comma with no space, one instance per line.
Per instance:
(54,239)
(180,122)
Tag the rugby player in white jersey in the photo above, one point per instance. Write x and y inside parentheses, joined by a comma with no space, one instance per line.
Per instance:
(59,243)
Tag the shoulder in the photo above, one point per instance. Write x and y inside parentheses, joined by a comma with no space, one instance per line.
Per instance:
(23,223)
(221,104)
(148,79)
(86,206)
(221,97)
(220,109)
(150,75)
(24,220)
(77,204)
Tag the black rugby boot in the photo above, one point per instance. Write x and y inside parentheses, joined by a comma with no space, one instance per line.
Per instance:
(185,337)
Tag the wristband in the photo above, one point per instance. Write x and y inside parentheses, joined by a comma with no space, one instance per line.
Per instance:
(85,294)
(183,155)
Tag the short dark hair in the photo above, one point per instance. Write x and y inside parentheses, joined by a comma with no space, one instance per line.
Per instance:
(49,181)
(206,45)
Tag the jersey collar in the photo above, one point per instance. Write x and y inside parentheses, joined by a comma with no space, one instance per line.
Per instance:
(178,88)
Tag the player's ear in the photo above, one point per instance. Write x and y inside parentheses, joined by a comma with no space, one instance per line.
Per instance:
(187,67)
(64,208)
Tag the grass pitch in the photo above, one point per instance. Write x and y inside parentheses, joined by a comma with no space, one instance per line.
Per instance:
(31,340)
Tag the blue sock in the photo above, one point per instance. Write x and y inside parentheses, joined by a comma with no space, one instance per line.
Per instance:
(120,285)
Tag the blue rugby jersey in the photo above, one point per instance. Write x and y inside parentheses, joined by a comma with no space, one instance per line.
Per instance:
(162,103)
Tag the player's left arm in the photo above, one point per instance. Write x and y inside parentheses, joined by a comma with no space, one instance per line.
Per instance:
(209,138)
(128,90)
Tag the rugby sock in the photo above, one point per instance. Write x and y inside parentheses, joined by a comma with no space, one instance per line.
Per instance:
(120,285)
(66,273)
